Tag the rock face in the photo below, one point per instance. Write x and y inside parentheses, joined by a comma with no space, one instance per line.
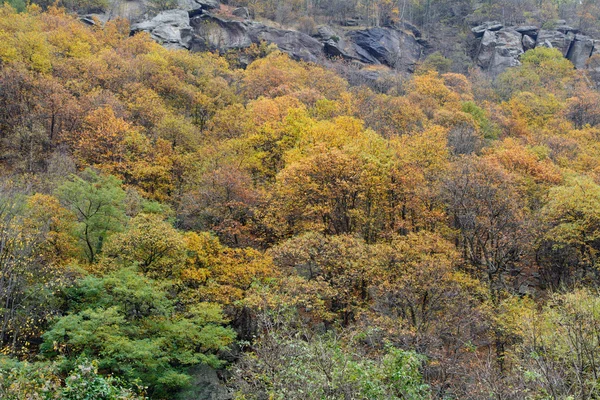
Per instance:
(170,28)
(490,26)
(391,47)
(194,26)
(528,42)
(241,12)
(554,39)
(500,48)
(197,7)
(580,51)
(213,33)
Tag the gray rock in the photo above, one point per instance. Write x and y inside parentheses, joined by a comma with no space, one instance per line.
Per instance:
(529,30)
(241,12)
(197,7)
(509,48)
(297,44)
(596,49)
(479,30)
(554,39)
(350,22)
(500,50)
(486,49)
(205,385)
(213,33)
(528,42)
(171,28)
(394,48)
(580,51)
(564,28)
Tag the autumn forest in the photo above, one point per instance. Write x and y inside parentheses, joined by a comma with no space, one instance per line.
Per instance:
(176,225)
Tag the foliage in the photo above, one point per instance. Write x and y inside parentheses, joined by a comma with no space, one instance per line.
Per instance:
(129,325)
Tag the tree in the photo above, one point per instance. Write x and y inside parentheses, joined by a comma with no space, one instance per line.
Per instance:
(97,201)
(128,323)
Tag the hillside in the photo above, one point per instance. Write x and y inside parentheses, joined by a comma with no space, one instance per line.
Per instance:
(184,219)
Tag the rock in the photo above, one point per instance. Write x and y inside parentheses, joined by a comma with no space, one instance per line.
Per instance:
(478,31)
(596,50)
(580,51)
(554,39)
(396,49)
(241,12)
(528,42)
(499,50)
(411,28)
(350,22)
(87,20)
(529,30)
(213,33)
(298,45)
(197,7)
(564,28)
(486,49)
(509,48)
(171,28)
(205,385)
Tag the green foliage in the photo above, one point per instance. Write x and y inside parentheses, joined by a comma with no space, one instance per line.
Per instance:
(130,326)
(97,201)
(41,380)
(489,130)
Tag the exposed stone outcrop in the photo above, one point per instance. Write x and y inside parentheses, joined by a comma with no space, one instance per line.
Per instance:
(528,42)
(170,28)
(555,39)
(489,26)
(500,48)
(197,7)
(242,12)
(580,51)
(391,47)
(214,33)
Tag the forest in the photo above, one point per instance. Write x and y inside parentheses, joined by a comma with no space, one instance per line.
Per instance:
(175,226)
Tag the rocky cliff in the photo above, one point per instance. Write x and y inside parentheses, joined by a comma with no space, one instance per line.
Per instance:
(195,25)
(200,25)
(500,47)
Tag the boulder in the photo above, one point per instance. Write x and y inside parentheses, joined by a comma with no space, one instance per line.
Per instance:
(529,30)
(596,50)
(564,28)
(171,28)
(580,51)
(486,49)
(197,7)
(241,12)
(554,39)
(479,30)
(213,33)
(528,42)
(298,45)
(499,50)
(391,47)
(204,385)
(509,48)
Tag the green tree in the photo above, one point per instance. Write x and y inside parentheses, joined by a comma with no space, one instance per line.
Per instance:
(97,200)
(128,323)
